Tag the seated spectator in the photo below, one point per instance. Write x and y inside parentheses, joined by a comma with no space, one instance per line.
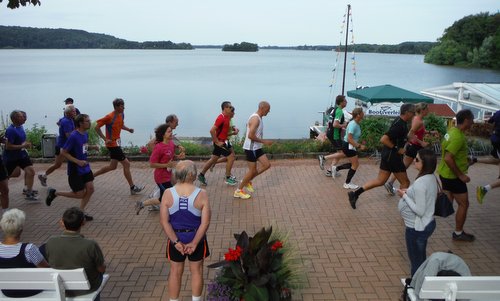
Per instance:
(72,251)
(14,253)
(439,264)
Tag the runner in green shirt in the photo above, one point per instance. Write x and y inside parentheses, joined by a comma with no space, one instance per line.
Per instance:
(452,171)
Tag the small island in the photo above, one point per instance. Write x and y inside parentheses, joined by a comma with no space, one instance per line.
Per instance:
(243,46)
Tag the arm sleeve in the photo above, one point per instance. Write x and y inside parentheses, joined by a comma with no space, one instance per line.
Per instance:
(67,127)
(69,143)
(105,120)
(33,255)
(155,155)
(454,145)
(219,121)
(417,204)
(10,135)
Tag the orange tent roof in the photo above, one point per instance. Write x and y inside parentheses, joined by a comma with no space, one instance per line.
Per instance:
(441,109)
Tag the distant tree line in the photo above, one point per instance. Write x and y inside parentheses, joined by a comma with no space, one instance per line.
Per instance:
(44,38)
(243,46)
(471,41)
(402,48)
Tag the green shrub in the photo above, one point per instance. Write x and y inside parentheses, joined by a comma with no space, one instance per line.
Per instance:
(196,149)
(372,129)
(294,146)
(34,135)
(94,139)
(435,123)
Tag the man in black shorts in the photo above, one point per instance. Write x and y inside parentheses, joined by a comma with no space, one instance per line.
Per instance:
(453,169)
(391,161)
(80,177)
(114,123)
(337,124)
(15,155)
(222,146)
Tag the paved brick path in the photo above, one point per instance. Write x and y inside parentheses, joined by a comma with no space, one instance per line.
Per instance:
(348,254)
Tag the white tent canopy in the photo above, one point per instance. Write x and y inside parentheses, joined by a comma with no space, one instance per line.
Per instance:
(484,97)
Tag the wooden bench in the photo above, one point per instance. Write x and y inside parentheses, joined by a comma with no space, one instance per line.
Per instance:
(452,288)
(54,283)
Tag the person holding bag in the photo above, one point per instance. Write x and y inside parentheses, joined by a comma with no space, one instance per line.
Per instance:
(417,208)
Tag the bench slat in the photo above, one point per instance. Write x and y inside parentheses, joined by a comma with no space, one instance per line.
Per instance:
(44,279)
(467,287)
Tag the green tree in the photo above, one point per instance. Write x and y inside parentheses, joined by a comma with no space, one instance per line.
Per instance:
(17,3)
(473,40)
(448,52)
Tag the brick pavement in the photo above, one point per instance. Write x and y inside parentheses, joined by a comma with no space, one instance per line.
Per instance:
(347,254)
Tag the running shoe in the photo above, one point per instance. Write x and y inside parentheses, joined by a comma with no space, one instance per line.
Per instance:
(51,195)
(202,180)
(230,181)
(154,208)
(139,205)
(43,180)
(136,189)
(463,237)
(239,193)
(334,172)
(352,199)
(390,188)
(31,197)
(25,191)
(321,159)
(249,187)
(350,186)
(328,173)
(480,193)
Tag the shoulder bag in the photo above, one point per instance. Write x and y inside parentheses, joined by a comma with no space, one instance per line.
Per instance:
(443,207)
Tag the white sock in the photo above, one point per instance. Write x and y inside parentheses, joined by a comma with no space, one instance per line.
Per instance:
(487,187)
(174,299)
(459,232)
(197,298)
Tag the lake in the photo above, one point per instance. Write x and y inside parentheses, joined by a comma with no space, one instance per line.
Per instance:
(192,84)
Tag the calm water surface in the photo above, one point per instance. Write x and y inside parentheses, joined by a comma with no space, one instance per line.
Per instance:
(192,84)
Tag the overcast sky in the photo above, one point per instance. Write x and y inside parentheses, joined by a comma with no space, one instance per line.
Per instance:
(265,22)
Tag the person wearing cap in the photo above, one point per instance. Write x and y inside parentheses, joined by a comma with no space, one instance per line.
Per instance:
(391,161)
(114,123)
(69,101)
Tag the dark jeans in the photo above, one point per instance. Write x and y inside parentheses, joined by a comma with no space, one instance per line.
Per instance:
(416,244)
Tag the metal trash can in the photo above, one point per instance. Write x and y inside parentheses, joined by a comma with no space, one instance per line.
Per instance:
(49,145)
